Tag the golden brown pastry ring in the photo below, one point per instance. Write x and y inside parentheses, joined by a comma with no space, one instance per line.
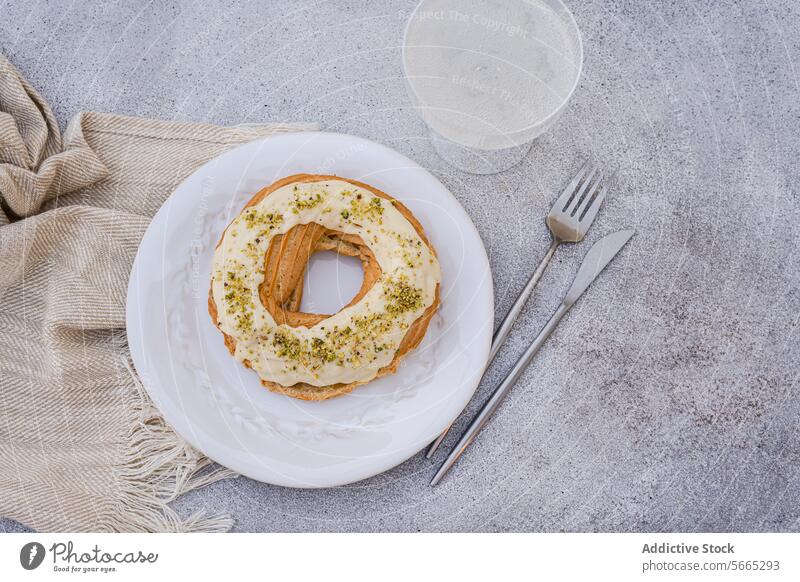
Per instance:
(284,270)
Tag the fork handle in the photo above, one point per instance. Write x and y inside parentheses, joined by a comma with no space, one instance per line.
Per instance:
(500,393)
(508,322)
(511,317)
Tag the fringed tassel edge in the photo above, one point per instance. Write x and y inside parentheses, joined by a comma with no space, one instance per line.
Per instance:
(159,467)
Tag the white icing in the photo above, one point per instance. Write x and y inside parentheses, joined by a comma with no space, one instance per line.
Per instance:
(398,249)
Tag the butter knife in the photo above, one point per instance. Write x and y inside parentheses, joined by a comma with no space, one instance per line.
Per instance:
(601,253)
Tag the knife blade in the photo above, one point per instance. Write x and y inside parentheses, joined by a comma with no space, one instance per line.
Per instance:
(595,261)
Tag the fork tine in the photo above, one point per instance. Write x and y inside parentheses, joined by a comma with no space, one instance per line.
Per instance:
(568,194)
(593,205)
(587,189)
(588,183)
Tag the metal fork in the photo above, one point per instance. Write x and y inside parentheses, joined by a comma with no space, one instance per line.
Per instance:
(568,220)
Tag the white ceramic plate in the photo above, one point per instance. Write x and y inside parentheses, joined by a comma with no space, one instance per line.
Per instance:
(219,406)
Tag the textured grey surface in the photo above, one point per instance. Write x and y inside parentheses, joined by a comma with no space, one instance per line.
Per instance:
(667,400)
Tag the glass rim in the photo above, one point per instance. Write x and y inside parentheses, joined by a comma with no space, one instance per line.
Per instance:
(570,18)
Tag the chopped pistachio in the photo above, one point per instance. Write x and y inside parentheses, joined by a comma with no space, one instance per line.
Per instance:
(306,202)
(401,297)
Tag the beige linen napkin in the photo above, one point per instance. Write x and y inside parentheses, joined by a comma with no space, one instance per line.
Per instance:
(82,447)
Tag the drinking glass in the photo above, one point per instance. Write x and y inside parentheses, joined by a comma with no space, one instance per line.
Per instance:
(489,76)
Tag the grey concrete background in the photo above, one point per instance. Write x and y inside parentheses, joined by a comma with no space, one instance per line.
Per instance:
(667,400)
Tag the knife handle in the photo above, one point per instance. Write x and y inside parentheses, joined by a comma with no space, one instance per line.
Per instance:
(500,393)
